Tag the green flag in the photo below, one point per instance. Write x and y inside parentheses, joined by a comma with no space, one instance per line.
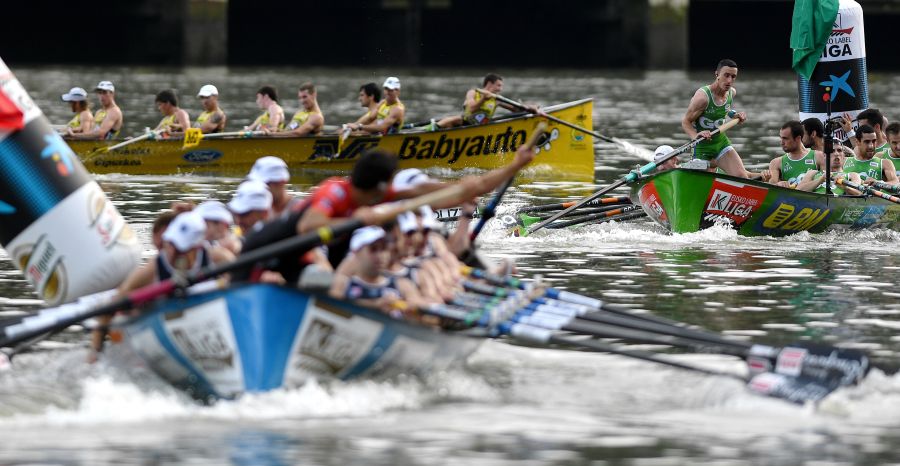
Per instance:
(811,26)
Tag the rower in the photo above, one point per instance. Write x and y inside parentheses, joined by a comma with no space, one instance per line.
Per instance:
(184,251)
(274,172)
(814,181)
(872,117)
(83,121)
(368,283)
(864,162)
(370,99)
(108,120)
(388,118)
(892,153)
(708,108)
(213,119)
(788,169)
(218,225)
(479,105)
(251,205)
(660,153)
(308,120)
(175,119)
(272,118)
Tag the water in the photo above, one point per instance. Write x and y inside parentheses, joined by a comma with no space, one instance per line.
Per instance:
(510,404)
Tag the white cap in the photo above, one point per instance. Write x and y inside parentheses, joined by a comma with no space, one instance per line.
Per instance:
(392,83)
(76,94)
(215,211)
(407,222)
(208,90)
(105,86)
(409,178)
(251,195)
(428,220)
(186,231)
(661,152)
(269,169)
(365,236)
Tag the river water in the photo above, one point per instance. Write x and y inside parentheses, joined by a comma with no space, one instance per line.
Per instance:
(510,404)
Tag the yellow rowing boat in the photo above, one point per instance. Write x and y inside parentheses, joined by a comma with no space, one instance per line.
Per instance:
(564,152)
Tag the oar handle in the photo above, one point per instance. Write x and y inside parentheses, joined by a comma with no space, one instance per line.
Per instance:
(867,190)
(133,140)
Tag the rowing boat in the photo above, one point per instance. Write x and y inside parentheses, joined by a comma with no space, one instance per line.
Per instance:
(255,338)
(685,201)
(565,152)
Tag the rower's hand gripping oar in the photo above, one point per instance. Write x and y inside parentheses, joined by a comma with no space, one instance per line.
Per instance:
(628,147)
(491,210)
(867,190)
(14,334)
(633,175)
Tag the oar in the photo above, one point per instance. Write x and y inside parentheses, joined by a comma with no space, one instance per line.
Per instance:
(342,137)
(625,213)
(18,333)
(491,210)
(563,205)
(146,135)
(193,136)
(634,175)
(524,220)
(868,190)
(890,188)
(628,147)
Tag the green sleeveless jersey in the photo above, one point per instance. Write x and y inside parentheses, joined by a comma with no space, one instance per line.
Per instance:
(883,147)
(888,154)
(710,119)
(866,168)
(792,171)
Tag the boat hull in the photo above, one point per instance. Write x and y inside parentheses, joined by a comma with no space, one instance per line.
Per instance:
(486,146)
(685,201)
(256,338)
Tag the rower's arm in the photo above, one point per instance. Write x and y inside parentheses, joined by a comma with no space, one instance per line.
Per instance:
(890,172)
(275,118)
(695,109)
(472,103)
(311,126)
(87,122)
(395,115)
(182,121)
(810,181)
(212,123)
(775,170)
(367,118)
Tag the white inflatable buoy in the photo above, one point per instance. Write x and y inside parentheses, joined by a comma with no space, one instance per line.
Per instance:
(55,221)
(842,68)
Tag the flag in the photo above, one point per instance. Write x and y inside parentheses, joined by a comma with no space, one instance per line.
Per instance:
(810,28)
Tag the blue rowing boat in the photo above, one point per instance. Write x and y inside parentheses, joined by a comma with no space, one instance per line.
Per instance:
(256,338)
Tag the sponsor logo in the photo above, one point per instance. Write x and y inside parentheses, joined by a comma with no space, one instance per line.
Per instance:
(118,163)
(841,32)
(42,264)
(732,203)
(650,200)
(545,143)
(838,84)
(327,349)
(106,220)
(787,217)
(205,346)
(202,156)
(869,216)
(452,148)
(839,42)
(706,123)
(59,153)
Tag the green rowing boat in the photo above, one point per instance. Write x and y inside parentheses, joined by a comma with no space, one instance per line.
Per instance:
(685,201)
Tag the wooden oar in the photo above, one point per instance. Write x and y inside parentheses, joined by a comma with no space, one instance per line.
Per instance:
(524,220)
(628,147)
(193,136)
(634,175)
(890,188)
(867,190)
(14,334)
(147,135)
(563,205)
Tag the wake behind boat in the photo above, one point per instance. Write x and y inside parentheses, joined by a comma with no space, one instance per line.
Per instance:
(686,201)
(566,151)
